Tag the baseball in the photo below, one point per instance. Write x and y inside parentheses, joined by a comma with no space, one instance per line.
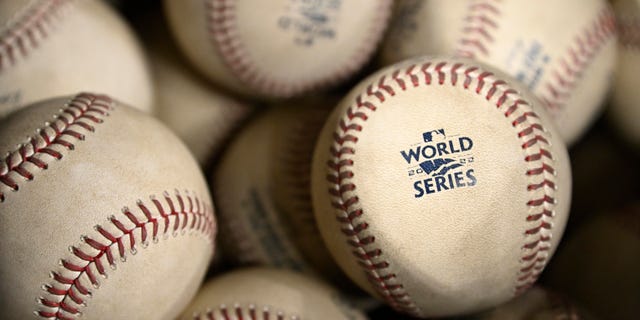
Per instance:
(278,48)
(264,294)
(105,214)
(563,51)
(440,187)
(59,47)
(201,115)
(262,192)
(625,104)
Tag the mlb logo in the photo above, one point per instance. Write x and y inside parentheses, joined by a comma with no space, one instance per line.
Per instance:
(429,135)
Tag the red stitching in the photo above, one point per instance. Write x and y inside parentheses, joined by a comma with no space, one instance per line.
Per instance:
(528,129)
(28,31)
(238,312)
(578,57)
(480,23)
(68,290)
(294,172)
(223,33)
(78,117)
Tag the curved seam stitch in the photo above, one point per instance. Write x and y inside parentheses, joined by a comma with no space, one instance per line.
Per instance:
(78,116)
(532,134)
(29,30)
(223,32)
(569,69)
(87,258)
(239,311)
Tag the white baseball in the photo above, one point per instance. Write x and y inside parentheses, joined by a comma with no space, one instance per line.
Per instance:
(269,294)
(200,114)
(564,51)
(50,48)
(105,214)
(262,192)
(440,186)
(278,48)
(625,104)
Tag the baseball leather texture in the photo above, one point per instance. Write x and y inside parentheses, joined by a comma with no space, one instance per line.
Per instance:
(263,192)
(563,51)
(278,48)
(199,113)
(268,294)
(105,214)
(440,186)
(50,48)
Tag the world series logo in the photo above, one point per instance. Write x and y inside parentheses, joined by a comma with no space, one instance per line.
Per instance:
(440,163)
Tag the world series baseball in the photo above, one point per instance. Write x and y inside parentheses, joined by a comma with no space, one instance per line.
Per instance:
(319,159)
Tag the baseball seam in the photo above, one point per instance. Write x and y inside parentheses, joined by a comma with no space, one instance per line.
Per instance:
(239,312)
(293,173)
(535,143)
(569,69)
(223,32)
(290,174)
(75,119)
(29,30)
(70,288)
(292,179)
(480,23)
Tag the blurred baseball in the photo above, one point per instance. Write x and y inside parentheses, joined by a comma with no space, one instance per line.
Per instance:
(278,48)
(60,47)
(563,51)
(625,106)
(201,115)
(105,214)
(262,192)
(265,294)
(440,186)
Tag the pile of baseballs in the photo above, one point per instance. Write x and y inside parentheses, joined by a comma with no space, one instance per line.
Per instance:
(312,159)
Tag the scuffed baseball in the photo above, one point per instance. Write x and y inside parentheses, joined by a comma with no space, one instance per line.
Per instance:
(625,103)
(59,47)
(278,48)
(440,186)
(105,214)
(262,192)
(563,51)
(265,294)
